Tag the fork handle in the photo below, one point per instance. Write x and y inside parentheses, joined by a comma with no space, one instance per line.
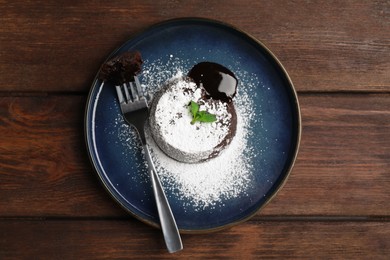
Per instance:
(167,221)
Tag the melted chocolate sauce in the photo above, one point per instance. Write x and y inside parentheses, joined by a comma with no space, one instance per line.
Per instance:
(219,82)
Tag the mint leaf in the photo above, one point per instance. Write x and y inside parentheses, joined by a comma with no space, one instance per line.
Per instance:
(205,116)
(201,116)
(194,119)
(194,107)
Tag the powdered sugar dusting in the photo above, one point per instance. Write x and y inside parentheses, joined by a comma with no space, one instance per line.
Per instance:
(226,176)
(202,185)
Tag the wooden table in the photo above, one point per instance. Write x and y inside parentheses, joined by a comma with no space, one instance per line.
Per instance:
(336,201)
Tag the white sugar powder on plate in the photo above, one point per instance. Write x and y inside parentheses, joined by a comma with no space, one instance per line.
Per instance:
(201,185)
(223,177)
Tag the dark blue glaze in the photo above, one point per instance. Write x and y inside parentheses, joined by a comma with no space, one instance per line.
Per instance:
(275,138)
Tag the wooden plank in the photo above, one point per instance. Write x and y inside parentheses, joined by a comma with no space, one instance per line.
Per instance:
(44,167)
(98,239)
(344,160)
(342,168)
(325,46)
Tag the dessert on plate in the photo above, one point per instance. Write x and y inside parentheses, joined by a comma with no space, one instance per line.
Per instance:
(193,118)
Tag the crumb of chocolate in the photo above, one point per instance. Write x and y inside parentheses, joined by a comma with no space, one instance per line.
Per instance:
(121,68)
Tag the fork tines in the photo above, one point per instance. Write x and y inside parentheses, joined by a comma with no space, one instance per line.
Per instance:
(132,91)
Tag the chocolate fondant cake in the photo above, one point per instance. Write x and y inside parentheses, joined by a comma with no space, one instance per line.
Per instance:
(172,124)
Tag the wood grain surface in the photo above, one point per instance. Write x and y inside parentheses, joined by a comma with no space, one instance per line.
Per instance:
(326,46)
(77,239)
(335,204)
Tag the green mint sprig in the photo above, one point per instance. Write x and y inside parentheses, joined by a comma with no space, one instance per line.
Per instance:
(201,116)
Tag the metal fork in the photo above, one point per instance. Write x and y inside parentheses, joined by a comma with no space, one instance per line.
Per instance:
(134,108)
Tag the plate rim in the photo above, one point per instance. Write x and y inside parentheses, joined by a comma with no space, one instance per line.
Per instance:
(295,104)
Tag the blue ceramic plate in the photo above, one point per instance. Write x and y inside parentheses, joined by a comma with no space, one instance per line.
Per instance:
(266,99)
